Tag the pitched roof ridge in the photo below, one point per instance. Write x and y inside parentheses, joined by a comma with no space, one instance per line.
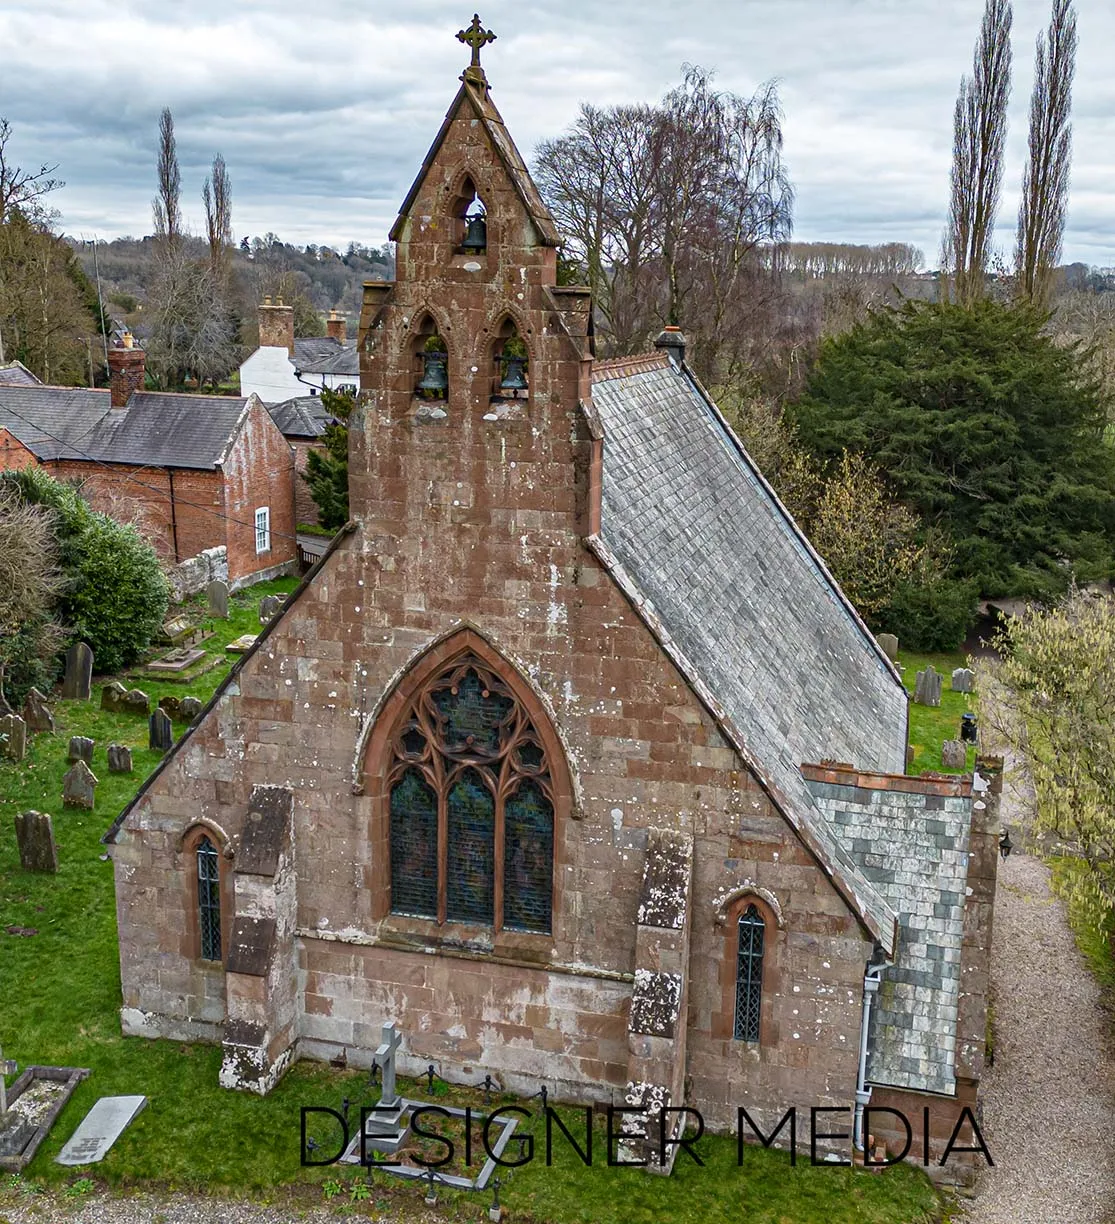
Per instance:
(623,367)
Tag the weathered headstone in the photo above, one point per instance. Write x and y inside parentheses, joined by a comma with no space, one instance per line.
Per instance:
(269,607)
(136,701)
(217,594)
(81,749)
(888,644)
(13,737)
(927,687)
(77,683)
(390,1040)
(189,708)
(36,712)
(99,1129)
(954,754)
(79,786)
(170,705)
(160,731)
(113,696)
(119,758)
(963,680)
(34,834)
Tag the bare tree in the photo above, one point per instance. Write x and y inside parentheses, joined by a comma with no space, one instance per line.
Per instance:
(1045,183)
(167,204)
(979,136)
(217,196)
(22,190)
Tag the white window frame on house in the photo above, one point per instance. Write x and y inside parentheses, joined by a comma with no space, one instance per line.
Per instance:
(263,529)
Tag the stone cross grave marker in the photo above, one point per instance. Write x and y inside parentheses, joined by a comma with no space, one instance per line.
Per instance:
(99,1129)
(391,1039)
(36,712)
(217,594)
(888,644)
(119,758)
(77,683)
(34,834)
(963,680)
(927,688)
(81,749)
(78,786)
(13,737)
(160,731)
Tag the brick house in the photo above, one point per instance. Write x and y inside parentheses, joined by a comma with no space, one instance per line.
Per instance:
(302,421)
(541,759)
(192,471)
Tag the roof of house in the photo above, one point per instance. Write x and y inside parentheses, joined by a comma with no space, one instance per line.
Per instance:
(305,416)
(154,429)
(718,567)
(16,374)
(325,355)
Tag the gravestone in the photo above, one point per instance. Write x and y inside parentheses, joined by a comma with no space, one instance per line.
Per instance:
(13,737)
(113,696)
(269,607)
(242,645)
(77,683)
(99,1129)
(34,834)
(963,680)
(119,758)
(217,594)
(390,1040)
(927,687)
(954,754)
(36,712)
(81,749)
(136,701)
(78,786)
(888,644)
(160,731)
(170,705)
(189,708)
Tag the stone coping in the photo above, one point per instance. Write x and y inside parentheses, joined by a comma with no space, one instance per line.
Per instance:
(955,786)
(71,1077)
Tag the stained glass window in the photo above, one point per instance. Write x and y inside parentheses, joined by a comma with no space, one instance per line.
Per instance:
(749,975)
(209,900)
(469,774)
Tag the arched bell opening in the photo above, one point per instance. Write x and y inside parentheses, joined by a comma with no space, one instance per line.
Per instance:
(510,364)
(431,363)
(470,221)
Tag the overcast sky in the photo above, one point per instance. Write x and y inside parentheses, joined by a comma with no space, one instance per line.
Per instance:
(324,111)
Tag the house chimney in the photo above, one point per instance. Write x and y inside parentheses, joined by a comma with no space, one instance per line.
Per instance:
(276,325)
(672,340)
(335,327)
(126,371)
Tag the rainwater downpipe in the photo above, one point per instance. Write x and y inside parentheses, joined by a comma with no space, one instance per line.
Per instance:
(871,979)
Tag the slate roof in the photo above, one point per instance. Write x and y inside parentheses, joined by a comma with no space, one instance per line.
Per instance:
(16,374)
(325,355)
(302,417)
(155,429)
(913,846)
(707,553)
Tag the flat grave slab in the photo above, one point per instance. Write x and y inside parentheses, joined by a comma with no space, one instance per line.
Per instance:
(34,1102)
(99,1130)
(243,644)
(176,660)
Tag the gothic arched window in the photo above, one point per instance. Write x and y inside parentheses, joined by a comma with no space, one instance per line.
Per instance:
(208,899)
(749,975)
(470,800)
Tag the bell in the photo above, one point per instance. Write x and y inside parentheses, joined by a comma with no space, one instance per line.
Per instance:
(435,376)
(514,378)
(476,234)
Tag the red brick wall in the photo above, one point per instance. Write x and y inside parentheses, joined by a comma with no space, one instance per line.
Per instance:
(13,454)
(305,509)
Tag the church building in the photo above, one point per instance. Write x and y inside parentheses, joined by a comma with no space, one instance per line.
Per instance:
(569,756)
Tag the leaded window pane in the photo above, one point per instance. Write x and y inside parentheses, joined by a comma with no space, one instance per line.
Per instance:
(471,719)
(469,891)
(209,899)
(749,975)
(413,846)
(528,855)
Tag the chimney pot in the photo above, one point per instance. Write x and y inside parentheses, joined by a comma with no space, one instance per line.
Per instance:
(335,326)
(126,366)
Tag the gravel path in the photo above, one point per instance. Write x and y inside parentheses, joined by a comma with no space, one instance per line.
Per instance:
(1049,1100)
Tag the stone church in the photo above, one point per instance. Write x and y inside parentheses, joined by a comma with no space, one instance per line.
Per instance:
(569,756)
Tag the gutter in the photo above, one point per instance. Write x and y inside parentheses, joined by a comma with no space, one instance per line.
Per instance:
(871,980)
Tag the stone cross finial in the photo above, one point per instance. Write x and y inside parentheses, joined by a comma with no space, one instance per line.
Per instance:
(476,37)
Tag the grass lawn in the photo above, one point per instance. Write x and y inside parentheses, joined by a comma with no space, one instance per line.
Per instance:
(930,726)
(59,1000)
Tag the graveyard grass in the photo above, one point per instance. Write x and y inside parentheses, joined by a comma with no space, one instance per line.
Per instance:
(930,726)
(60,992)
